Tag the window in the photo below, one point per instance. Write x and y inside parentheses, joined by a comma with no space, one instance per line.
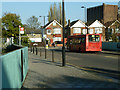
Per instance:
(94,38)
(112,30)
(116,30)
(98,30)
(76,30)
(71,41)
(56,39)
(77,40)
(48,31)
(90,31)
(57,31)
(54,23)
(83,40)
(84,31)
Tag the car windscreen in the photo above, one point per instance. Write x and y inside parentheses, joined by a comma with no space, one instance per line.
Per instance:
(94,38)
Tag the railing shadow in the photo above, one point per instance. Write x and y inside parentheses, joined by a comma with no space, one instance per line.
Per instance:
(104,72)
(68,81)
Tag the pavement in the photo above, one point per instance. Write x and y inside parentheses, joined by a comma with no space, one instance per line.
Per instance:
(43,73)
(111,52)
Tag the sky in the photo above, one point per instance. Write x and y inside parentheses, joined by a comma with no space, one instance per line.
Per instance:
(73,10)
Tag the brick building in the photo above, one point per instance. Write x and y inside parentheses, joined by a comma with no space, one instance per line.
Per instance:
(113,28)
(54,32)
(103,13)
(34,35)
(97,28)
(76,27)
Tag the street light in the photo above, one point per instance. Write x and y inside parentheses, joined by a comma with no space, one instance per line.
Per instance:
(85,17)
(44,26)
(44,18)
(84,11)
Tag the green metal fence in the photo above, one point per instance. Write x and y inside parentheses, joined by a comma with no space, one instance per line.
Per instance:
(14,68)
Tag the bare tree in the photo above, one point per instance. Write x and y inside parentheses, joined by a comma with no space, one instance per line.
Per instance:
(33,23)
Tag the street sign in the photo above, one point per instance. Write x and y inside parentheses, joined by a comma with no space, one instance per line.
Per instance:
(21,30)
(19,26)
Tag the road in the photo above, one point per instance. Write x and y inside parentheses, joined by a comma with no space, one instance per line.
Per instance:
(105,64)
(93,60)
(87,60)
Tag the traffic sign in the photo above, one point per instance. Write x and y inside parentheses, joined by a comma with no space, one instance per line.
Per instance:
(21,30)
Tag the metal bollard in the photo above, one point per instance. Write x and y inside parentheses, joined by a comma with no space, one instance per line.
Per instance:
(33,50)
(45,53)
(52,55)
(40,52)
(36,51)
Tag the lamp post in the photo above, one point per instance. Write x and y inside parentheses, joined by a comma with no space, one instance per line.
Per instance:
(44,18)
(44,25)
(84,12)
(63,48)
(85,17)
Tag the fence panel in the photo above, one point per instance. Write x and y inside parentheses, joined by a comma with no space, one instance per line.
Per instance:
(111,46)
(11,68)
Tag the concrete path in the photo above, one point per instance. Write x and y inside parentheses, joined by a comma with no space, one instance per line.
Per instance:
(46,74)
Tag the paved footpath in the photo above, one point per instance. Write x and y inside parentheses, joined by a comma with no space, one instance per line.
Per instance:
(46,74)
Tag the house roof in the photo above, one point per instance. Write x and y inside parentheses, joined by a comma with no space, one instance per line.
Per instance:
(33,31)
(74,22)
(96,24)
(112,23)
(49,23)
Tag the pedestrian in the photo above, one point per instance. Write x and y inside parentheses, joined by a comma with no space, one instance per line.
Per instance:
(53,44)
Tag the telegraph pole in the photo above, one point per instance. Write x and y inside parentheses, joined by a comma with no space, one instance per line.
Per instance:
(63,48)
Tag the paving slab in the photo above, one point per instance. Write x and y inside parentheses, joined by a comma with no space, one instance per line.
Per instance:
(46,74)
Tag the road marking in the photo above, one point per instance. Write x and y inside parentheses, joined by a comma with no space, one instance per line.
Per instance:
(109,80)
(111,57)
(89,69)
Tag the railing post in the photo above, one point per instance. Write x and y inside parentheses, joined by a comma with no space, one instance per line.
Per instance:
(36,51)
(45,54)
(33,49)
(40,52)
(52,55)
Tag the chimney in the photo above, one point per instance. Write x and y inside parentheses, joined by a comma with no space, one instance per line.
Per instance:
(69,22)
(103,4)
(69,27)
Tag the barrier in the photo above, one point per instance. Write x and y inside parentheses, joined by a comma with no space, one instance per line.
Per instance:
(115,46)
(14,68)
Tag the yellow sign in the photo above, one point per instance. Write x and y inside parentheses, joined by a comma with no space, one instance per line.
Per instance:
(93,35)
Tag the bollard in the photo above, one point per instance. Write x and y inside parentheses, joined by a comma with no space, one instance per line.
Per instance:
(52,56)
(36,51)
(45,54)
(33,50)
(40,52)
